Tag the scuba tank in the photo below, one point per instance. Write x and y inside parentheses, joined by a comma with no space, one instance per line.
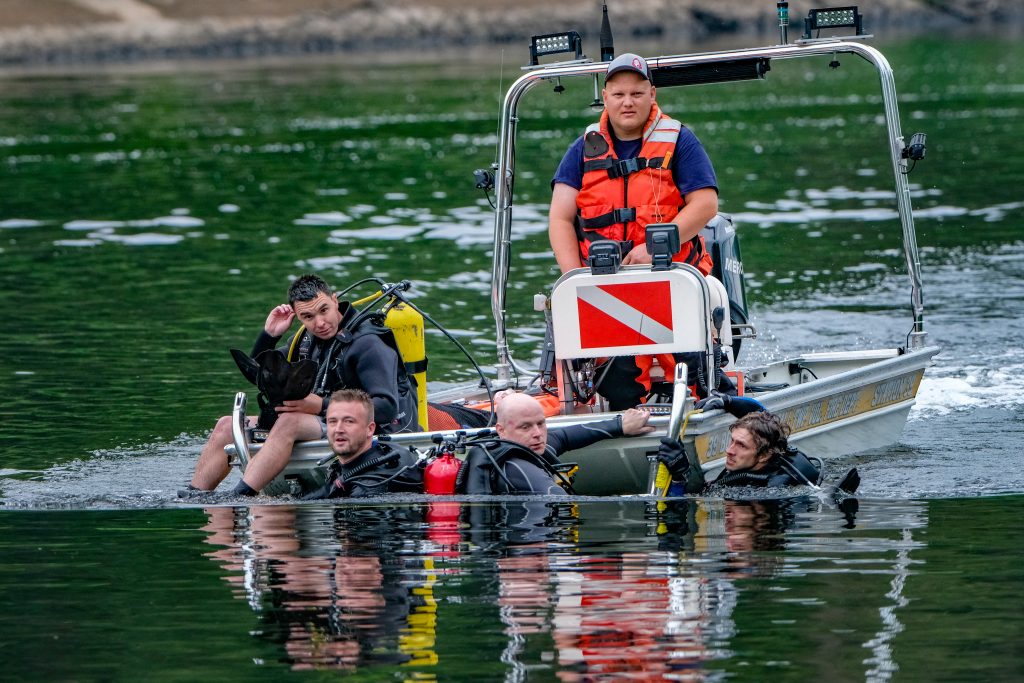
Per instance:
(440,475)
(406,323)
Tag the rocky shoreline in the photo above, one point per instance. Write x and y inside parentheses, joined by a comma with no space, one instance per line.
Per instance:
(55,34)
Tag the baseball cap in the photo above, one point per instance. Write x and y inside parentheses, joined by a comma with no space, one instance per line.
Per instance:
(628,62)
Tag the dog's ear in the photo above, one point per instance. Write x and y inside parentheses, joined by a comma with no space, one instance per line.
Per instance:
(250,368)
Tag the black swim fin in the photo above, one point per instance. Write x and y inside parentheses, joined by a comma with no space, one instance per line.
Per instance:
(850,482)
(301,377)
(250,368)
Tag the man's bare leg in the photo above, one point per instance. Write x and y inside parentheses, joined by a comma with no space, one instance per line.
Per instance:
(213,461)
(272,458)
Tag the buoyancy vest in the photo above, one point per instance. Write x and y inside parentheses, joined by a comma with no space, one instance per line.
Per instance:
(620,197)
(383,468)
(483,471)
(333,372)
(792,469)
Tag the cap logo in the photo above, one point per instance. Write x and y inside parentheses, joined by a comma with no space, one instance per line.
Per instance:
(637,64)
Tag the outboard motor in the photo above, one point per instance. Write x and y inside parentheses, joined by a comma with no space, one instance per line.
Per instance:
(722,241)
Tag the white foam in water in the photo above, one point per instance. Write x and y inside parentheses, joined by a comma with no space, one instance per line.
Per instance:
(325,262)
(815,214)
(940,396)
(478,280)
(140,476)
(144,239)
(940,212)
(92,225)
(328,218)
(462,234)
(998,212)
(390,233)
(865,268)
(178,222)
(357,210)
(16,223)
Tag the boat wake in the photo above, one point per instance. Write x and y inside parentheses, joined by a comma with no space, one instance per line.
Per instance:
(146,476)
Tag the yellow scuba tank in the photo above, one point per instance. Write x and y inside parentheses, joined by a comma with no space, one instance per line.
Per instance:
(407,325)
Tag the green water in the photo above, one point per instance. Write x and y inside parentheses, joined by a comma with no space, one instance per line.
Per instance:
(711,590)
(168,212)
(149,221)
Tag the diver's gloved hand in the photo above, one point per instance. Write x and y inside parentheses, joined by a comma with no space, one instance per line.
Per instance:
(672,455)
(716,402)
(737,406)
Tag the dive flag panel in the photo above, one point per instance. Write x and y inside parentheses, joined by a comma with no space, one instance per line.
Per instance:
(631,312)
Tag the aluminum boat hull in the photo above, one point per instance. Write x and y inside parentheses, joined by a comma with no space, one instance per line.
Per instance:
(853,402)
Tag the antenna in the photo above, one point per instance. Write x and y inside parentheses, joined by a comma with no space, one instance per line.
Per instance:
(501,85)
(607,48)
(607,53)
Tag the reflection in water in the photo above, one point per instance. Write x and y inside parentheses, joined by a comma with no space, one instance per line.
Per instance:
(584,589)
(883,667)
(328,584)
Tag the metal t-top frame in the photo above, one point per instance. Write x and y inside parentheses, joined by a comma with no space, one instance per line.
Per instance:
(505,173)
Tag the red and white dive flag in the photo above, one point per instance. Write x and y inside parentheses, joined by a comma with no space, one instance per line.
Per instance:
(626,314)
(629,313)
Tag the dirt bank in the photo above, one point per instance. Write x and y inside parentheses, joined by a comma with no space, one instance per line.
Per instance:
(59,33)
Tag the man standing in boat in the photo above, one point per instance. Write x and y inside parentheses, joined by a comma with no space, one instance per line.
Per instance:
(344,357)
(522,459)
(634,167)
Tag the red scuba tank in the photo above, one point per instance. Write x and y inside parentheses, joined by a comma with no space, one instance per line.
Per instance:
(439,477)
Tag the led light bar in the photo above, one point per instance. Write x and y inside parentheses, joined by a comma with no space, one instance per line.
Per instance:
(554,44)
(833,17)
(716,72)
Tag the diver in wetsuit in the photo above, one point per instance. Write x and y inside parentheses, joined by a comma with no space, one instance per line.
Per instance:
(758,455)
(523,457)
(364,467)
(337,350)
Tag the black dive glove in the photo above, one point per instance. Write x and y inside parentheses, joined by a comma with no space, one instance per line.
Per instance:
(713,403)
(737,406)
(672,455)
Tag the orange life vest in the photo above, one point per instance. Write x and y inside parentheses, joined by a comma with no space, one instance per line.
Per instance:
(620,197)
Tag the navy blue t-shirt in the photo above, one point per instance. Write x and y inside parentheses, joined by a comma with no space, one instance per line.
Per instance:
(691,167)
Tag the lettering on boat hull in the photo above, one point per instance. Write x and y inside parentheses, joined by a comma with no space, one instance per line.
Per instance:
(825,410)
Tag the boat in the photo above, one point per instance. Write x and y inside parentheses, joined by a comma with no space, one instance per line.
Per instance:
(837,403)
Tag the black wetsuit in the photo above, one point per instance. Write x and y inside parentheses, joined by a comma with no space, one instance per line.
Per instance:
(359,359)
(505,467)
(792,469)
(382,468)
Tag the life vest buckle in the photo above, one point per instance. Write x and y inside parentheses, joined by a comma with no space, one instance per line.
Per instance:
(624,215)
(624,167)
